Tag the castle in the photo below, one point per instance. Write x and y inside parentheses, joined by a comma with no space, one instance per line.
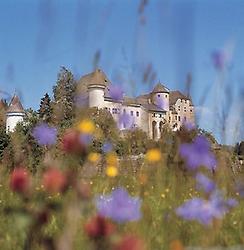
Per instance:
(149,112)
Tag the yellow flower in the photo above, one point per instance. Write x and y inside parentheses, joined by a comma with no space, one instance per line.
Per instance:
(111,159)
(86,126)
(153,155)
(163,196)
(111,171)
(93,157)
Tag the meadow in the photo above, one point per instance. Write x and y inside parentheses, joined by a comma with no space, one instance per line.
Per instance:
(84,196)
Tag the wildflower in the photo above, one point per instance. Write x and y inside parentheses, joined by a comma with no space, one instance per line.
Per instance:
(99,227)
(161,103)
(111,171)
(176,245)
(153,155)
(126,121)
(20,180)
(85,138)
(111,159)
(80,100)
(93,157)
(130,243)
(219,59)
(119,206)
(204,183)
(71,142)
(116,92)
(54,180)
(188,125)
(204,211)
(107,147)
(86,126)
(198,154)
(44,134)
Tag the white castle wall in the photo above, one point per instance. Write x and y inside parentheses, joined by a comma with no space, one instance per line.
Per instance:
(12,120)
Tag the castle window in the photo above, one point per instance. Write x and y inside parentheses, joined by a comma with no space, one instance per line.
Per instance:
(160,115)
(137,113)
(176,117)
(154,115)
(166,96)
(158,95)
(131,113)
(169,117)
(190,110)
(179,118)
(185,119)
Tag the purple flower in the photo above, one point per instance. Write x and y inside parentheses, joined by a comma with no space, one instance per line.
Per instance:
(198,154)
(189,125)
(116,92)
(119,206)
(44,134)
(107,147)
(204,211)
(81,100)
(86,138)
(126,121)
(204,183)
(219,59)
(161,103)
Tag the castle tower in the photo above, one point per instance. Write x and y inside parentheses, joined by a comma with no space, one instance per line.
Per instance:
(98,82)
(160,96)
(14,114)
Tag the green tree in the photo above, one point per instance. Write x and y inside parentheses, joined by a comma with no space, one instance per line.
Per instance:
(45,110)
(4,140)
(64,92)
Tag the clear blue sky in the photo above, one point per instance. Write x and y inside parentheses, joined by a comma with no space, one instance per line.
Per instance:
(176,37)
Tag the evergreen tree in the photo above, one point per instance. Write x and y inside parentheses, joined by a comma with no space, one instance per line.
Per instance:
(4,140)
(45,110)
(64,92)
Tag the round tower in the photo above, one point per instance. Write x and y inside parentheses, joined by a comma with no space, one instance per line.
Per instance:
(160,97)
(14,114)
(98,82)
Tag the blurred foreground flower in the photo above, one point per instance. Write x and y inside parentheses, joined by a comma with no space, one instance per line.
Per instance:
(130,243)
(94,157)
(119,206)
(107,147)
(126,121)
(204,183)
(153,155)
(86,126)
(20,180)
(112,171)
(44,134)
(54,180)
(204,211)
(99,227)
(198,154)
(176,245)
(116,92)
(71,142)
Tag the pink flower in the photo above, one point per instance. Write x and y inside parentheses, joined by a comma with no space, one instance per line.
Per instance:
(20,180)
(99,227)
(54,180)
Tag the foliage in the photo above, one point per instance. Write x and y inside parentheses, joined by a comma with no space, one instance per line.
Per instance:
(63,92)
(45,110)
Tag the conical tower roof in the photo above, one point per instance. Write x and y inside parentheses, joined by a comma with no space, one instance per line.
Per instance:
(159,88)
(15,105)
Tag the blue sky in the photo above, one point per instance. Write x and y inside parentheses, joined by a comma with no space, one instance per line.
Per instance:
(176,37)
